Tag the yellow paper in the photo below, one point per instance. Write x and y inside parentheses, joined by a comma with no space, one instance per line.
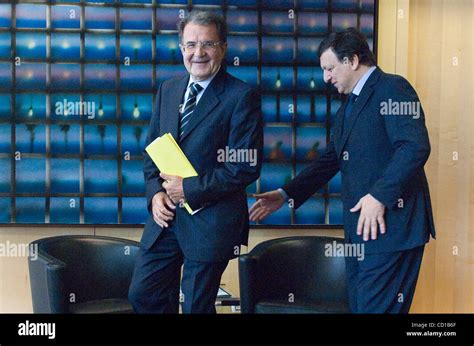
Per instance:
(170,159)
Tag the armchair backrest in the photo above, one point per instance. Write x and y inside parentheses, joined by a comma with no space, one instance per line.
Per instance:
(79,269)
(293,268)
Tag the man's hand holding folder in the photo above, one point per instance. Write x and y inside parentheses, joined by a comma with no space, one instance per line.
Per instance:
(173,184)
(173,166)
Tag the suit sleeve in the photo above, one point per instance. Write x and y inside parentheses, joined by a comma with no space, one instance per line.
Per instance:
(246,132)
(411,147)
(153,180)
(313,177)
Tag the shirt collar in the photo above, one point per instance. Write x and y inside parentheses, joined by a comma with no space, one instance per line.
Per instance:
(203,83)
(360,84)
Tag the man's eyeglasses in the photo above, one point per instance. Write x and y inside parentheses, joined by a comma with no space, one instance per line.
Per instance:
(208,46)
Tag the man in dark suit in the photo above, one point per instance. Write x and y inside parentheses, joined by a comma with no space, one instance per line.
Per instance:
(208,112)
(380,144)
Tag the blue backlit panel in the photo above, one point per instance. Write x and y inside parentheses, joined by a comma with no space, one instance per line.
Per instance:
(30,175)
(65,176)
(5,45)
(5,16)
(5,173)
(100,176)
(335,211)
(30,16)
(65,76)
(65,139)
(30,107)
(134,210)
(5,75)
(341,21)
(64,210)
(100,46)
(5,138)
(277,78)
(30,45)
(167,18)
(136,107)
(167,49)
(242,48)
(30,76)
(100,76)
(65,46)
(278,143)
(135,19)
(313,4)
(65,17)
(100,140)
(133,139)
(31,138)
(100,18)
(277,22)
(311,212)
(308,50)
(104,107)
(310,143)
(5,106)
(276,175)
(136,47)
(30,209)
(136,77)
(100,210)
(242,21)
(277,49)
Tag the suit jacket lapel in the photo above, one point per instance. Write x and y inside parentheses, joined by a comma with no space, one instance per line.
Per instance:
(364,96)
(207,103)
(172,105)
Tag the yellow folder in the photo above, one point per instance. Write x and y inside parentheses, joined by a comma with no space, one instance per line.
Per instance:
(170,159)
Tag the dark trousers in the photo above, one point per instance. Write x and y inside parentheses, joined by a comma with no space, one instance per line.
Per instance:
(383,282)
(156,280)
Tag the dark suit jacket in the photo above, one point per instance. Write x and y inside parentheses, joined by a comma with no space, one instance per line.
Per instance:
(228,114)
(382,155)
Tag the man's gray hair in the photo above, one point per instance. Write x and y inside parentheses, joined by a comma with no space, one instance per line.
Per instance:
(204,18)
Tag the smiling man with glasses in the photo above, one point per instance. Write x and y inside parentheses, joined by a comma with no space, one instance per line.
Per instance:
(206,112)
(203,49)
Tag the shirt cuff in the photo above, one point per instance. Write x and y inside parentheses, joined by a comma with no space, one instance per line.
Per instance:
(283,193)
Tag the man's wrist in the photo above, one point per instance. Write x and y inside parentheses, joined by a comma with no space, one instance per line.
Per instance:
(283,193)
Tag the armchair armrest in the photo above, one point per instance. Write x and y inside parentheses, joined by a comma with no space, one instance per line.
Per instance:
(247,281)
(46,278)
(252,279)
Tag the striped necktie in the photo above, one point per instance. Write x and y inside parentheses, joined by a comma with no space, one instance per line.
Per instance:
(189,107)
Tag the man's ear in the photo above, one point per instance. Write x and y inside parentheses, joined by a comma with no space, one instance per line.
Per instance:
(224,47)
(354,62)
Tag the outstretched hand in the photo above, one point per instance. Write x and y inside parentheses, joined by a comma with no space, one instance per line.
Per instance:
(266,204)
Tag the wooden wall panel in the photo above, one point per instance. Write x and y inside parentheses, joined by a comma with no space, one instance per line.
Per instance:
(439,63)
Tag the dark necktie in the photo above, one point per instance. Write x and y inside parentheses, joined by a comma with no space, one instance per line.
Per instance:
(189,107)
(348,110)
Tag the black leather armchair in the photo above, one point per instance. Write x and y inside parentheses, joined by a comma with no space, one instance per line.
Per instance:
(293,275)
(82,274)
